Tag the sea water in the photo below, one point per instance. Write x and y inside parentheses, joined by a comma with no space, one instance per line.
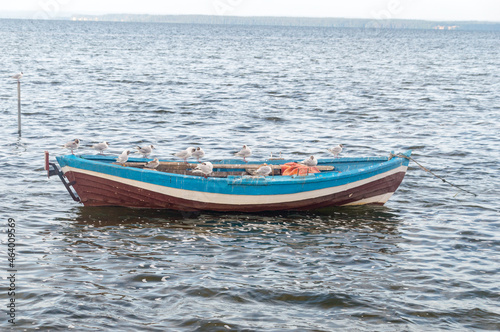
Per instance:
(427,260)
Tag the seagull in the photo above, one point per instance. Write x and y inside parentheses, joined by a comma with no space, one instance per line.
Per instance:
(198,153)
(185,154)
(18,76)
(145,151)
(152,164)
(336,150)
(205,168)
(72,145)
(101,147)
(311,161)
(263,170)
(244,152)
(122,159)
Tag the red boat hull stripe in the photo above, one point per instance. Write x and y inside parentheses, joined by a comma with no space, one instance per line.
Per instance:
(100,191)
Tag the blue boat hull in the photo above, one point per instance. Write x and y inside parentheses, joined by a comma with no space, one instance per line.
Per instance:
(354,181)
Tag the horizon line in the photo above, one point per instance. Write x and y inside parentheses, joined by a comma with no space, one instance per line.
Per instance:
(66,15)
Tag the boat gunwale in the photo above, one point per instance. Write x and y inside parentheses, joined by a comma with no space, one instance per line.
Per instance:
(341,177)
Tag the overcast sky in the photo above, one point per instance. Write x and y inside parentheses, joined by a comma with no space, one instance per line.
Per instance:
(484,10)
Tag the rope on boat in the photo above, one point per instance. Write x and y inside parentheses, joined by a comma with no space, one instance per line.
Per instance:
(428,171)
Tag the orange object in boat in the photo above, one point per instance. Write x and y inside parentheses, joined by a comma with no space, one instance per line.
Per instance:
(297,169)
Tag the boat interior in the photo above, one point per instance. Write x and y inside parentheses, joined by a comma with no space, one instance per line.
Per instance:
(223,170)
(232,167)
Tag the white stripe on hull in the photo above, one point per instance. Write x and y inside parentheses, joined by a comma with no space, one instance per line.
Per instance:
(215,198)
(380,199)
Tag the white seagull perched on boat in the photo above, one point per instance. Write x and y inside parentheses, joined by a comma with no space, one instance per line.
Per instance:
(100,147)
(18,76)
(244,153)
(122,159)
(311,161)
(152,164)
(72,145)
(145,150)
(185,154)
(198,153)
(336,150)
(205,168)
(263,170)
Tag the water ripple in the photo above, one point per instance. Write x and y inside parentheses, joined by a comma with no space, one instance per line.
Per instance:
(425,261)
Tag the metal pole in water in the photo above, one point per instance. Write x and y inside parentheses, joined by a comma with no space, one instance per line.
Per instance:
(19,107)
(18,78)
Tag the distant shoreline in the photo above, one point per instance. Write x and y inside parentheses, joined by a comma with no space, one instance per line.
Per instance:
(275,21)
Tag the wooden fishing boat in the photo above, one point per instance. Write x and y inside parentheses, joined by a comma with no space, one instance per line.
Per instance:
(99,181)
